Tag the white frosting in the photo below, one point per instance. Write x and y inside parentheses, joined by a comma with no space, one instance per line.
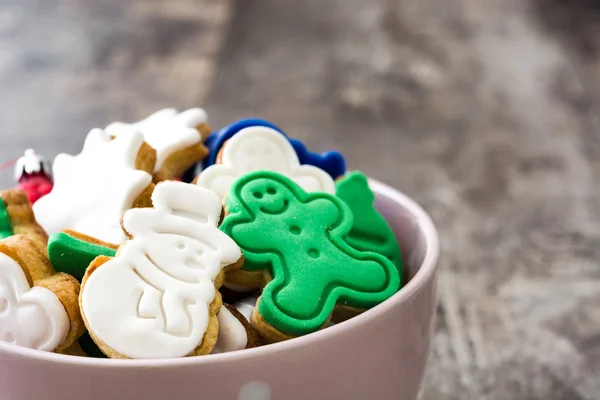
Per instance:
(152,299)
(261,148)
(232,333)
(93,189)
(246,305)
(165,130)
(30,317)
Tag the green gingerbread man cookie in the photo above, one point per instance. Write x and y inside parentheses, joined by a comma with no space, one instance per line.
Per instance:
(299,238)
(370,231)
(6,228)
(73,255)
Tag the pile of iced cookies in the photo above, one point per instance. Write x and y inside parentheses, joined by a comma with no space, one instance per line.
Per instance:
(124,259)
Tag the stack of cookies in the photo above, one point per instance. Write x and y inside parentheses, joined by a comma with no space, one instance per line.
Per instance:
(125,259)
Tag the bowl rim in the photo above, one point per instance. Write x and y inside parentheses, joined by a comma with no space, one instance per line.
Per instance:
(425,273)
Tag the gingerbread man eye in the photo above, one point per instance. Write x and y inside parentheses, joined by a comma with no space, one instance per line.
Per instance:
(257,194)
(271,190)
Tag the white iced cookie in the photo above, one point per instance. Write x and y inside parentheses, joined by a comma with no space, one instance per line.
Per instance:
(30,317)
(246,306)
(232,333)
(261,148)
(166,130)
(158,298)
(93,189)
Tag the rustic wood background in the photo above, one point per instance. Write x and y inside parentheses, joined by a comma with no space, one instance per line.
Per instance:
(486,112)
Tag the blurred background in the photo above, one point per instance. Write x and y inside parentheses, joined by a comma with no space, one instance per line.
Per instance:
(485,112)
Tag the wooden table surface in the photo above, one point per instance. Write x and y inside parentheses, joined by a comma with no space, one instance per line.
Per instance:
(485,112)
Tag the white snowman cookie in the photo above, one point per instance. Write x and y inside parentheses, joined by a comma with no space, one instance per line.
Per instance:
(261,148)
(158,298)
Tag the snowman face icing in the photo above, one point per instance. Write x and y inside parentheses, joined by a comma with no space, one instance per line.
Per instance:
(261,152)
(262,148)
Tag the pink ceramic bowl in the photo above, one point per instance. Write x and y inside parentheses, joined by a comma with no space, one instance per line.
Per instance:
(380,354)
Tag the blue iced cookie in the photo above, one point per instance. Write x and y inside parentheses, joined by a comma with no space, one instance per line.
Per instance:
(331,162)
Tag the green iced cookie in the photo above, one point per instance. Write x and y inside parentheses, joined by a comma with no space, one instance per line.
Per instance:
(370,231)
(72,256)
(300,238)
(6,228)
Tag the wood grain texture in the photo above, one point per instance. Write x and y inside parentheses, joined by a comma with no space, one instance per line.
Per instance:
(67,66)
(486,112)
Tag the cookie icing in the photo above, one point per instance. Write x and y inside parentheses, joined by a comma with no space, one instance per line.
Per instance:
(167,131)
(332,162)
(72,255)
(29,317)
(246,305)
(232,333)
(152,300)
(6,228)
(370,231)
(93,189)
(298,239)
(265,149)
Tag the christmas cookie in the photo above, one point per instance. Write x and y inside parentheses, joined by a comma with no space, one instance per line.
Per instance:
(177,138)
(72,252)
(93,189)
(246,305)
(17,218)
(295,241)
(261,148)
(38,307)
(6,228)
(370,231)
(235,332)
(331,162)
(158,297)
